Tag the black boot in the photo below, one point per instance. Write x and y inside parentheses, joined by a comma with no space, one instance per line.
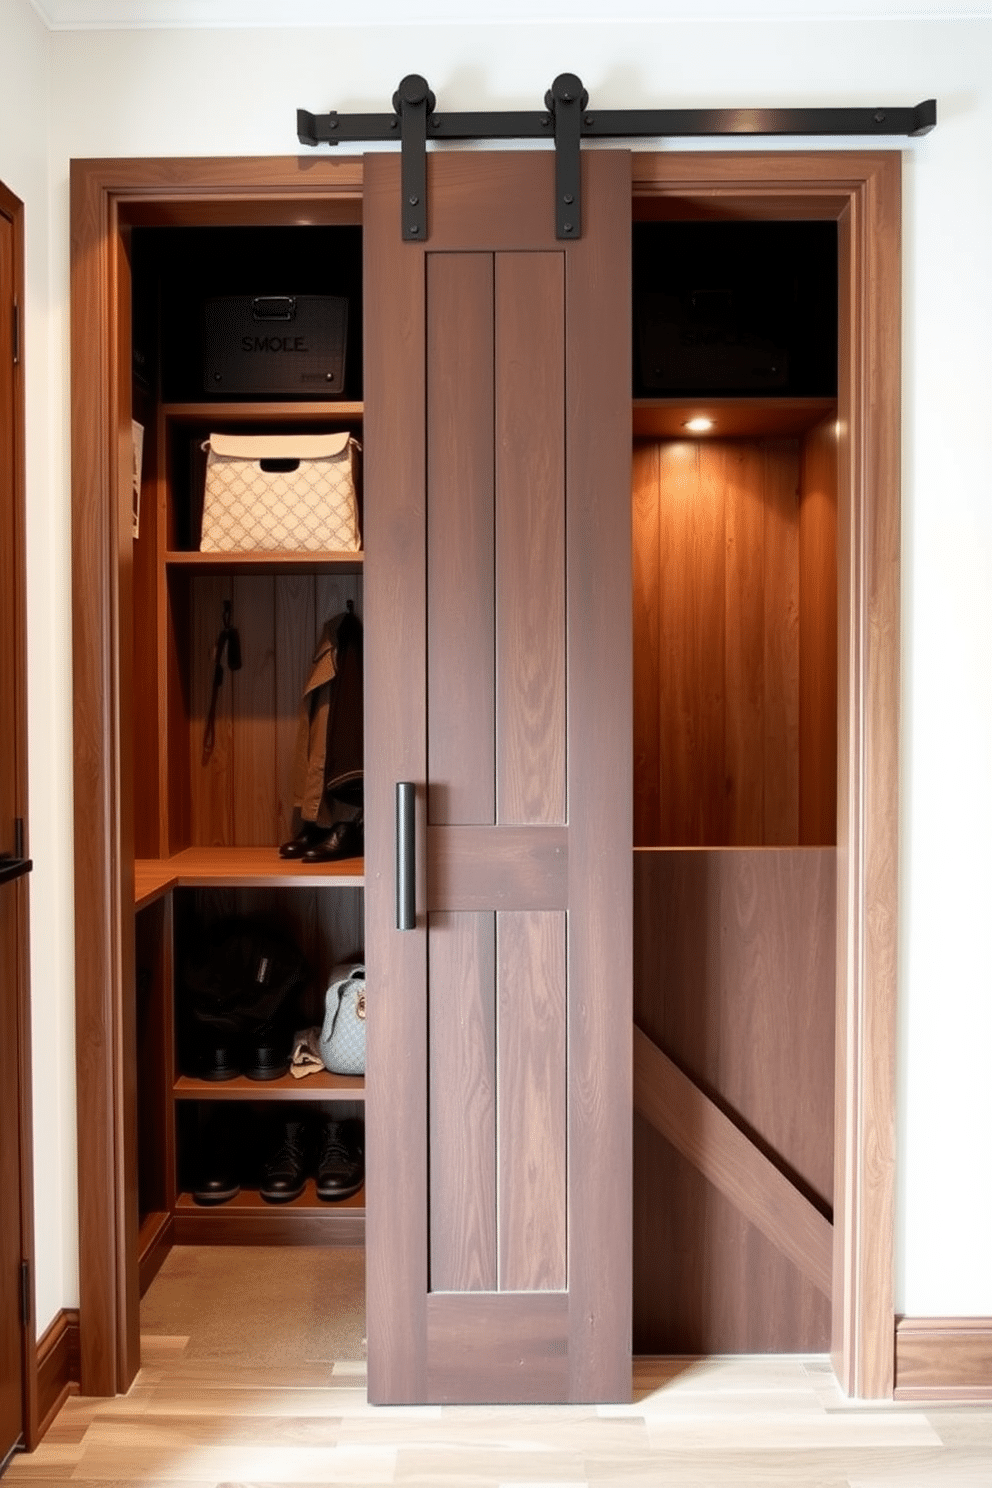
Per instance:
(341,1160)
(217,1178)
(285,1174)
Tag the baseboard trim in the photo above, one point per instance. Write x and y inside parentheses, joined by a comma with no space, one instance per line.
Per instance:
(943,1359)
(57,1355)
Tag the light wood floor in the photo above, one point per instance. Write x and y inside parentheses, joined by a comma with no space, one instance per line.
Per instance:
(237,1387)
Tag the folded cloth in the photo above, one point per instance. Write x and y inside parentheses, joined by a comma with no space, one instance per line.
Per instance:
(306,1059)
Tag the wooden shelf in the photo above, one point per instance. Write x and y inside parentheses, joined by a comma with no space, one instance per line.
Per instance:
(239,867)
(268,412)
(321,1086)
(250,1201)
(274,562)
(732,417)
(249,1220)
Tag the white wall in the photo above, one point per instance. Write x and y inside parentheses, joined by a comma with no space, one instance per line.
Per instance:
(25,113)
(236,92)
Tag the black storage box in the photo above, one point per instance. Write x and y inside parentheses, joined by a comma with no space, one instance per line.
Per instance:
(735,309)
(275,346)
(702,340)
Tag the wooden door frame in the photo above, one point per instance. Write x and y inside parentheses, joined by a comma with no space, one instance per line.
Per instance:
(862,192)
(13,209)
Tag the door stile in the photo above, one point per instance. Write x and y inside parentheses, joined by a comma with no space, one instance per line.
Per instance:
(396,750)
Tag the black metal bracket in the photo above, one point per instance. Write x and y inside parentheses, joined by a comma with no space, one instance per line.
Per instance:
(567,121)
(566,99)
(413,101)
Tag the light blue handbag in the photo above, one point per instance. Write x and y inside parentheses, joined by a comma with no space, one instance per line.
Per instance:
(342,1038)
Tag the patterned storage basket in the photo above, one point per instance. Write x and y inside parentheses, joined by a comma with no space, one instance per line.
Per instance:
(280,493)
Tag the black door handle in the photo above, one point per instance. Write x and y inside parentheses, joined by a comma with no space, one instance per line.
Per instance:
(406,855)
(11,868)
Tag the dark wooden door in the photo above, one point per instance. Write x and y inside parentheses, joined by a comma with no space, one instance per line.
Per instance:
(497,521)
(12,882)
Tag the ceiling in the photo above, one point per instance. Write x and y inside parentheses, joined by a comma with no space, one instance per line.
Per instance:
(69,15)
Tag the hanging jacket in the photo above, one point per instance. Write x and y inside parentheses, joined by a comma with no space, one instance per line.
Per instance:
(328,765)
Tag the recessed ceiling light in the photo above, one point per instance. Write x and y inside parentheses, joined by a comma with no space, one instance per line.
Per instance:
(698,425)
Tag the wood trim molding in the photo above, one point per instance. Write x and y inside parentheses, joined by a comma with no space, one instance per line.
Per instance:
(699,1130)
(943,1359)
(13,209)
(57,1362)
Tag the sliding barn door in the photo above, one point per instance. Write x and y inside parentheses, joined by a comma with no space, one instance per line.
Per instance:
(497,534)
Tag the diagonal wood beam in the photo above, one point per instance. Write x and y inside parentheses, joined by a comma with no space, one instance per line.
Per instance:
(701,1132)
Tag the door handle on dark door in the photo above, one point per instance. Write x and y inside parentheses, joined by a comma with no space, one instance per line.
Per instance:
(406,855)
(11,868)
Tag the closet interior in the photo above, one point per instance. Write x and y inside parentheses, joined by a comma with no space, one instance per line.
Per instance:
(215,735)
(735,755)
(735,743)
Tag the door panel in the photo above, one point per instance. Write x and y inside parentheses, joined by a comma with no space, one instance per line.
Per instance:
(498,576)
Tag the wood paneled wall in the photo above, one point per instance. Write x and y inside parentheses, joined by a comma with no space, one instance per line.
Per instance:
(239,794)
(735,641)
(734,980)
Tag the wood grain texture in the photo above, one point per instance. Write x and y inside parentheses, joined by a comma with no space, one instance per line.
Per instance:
(746,519)
(691,582)
(780,498)
(532,1136)
(461,539)
(17,1141)
(717,642)
(296,628)
(57,1364)
(155,1054)
(463,1101)
(734,979)
(497,868)
(706,1280)
(492,206)
(723,1422)
(698,1129)
(943,1359)
(253,690)
(98,402)
(530,539)
(868,773)
(148,629)
(211,759)
(520,1340)
(598,546)
(646,601)
(395,597)
(818,637)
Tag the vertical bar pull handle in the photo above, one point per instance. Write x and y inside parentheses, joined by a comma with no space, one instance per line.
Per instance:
(406,855)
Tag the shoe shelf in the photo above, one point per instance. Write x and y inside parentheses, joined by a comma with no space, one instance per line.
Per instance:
(238,867)
(250,1220)
(321,1086)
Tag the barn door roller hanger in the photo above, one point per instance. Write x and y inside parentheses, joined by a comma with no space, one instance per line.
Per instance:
(568,120)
